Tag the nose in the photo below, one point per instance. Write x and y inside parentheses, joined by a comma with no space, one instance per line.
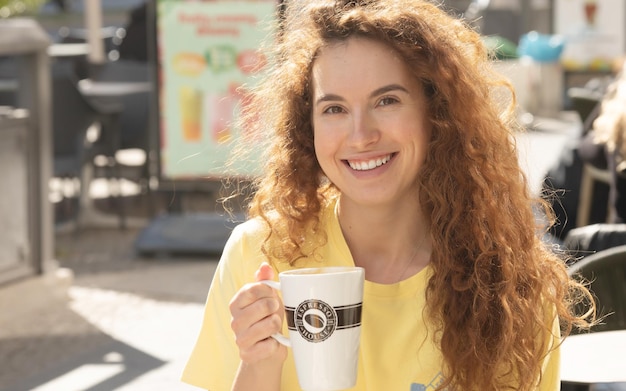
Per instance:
(364,132)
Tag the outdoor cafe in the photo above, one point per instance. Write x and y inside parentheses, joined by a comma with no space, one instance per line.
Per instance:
(85,112)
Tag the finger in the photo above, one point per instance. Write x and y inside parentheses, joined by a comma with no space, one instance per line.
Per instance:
(249,294)
(258,332)
(265,272)
(244,318)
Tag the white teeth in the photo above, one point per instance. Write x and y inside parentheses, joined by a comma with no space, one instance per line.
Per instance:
(369,165)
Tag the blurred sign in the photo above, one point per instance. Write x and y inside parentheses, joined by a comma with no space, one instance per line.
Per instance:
(594,31)
(207,53)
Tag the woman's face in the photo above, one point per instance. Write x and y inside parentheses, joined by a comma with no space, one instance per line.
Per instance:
(369,122)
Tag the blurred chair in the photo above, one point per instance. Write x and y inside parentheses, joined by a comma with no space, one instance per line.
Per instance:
(606,272)
(589,176)
(134,118)
(72,118)
(586,102)
(131,159)
(583,241)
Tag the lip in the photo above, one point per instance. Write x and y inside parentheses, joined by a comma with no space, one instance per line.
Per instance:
(367,164)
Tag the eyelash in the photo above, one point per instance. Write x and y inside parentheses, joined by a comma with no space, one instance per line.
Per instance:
(388,99)
(333,110)
(385,101)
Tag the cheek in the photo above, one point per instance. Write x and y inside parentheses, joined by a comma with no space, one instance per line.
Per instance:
(324,150)
(424,144)
(320,148)
(320,141)
(419,133)
(424,137)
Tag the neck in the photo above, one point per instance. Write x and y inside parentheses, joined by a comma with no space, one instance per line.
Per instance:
(390,243)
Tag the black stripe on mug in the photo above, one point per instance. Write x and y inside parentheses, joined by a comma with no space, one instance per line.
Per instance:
(347,316)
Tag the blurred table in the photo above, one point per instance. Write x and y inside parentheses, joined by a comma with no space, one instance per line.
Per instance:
(541,147)
(68,49)
(594,358)
(112,89)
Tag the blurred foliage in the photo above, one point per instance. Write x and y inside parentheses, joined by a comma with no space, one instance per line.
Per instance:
(9,8)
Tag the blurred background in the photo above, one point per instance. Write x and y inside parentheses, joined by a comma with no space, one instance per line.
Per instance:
(115,131)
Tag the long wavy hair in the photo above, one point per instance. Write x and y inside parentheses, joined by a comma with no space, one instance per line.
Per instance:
(493,277)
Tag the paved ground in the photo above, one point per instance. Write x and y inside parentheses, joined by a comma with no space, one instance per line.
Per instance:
(108,319)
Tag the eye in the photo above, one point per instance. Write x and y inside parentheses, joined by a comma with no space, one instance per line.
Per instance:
(388,100)
(333,110)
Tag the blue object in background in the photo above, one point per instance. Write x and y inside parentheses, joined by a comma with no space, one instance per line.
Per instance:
(541,47)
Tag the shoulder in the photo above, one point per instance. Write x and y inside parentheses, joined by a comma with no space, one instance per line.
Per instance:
(242,253)
(247,236)
(252,229)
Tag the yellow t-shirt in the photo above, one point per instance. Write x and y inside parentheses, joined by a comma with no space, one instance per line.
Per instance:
(397,349)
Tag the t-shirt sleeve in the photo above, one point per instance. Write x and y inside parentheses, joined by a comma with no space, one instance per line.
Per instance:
(551,369)
(215,357)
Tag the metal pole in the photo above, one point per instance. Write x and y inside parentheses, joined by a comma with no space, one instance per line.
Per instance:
(526,16)
(93,23)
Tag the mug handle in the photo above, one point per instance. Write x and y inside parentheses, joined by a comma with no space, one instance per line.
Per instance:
(277,336)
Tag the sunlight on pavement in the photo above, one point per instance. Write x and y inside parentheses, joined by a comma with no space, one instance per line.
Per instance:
(161,329)
(165,330)
(82,378)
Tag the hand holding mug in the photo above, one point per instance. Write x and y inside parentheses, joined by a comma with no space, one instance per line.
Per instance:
(257,313)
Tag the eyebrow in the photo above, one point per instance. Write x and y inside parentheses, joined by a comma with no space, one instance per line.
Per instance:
(376,92)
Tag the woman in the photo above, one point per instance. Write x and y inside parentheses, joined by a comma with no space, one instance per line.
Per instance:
(604,146)
(389,151)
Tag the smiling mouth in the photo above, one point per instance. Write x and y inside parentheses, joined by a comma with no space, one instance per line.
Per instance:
(365,165)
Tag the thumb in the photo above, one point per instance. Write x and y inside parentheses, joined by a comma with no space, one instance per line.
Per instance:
(264,272)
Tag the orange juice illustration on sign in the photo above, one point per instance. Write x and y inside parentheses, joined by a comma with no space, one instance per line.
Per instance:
(190,100)
(221,108)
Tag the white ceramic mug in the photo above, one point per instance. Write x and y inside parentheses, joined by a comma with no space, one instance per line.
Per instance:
(323,313)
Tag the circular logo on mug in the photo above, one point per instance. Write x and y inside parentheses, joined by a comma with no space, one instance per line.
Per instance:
(315,320)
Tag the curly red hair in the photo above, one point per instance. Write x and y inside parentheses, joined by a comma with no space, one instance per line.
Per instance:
(493,277)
